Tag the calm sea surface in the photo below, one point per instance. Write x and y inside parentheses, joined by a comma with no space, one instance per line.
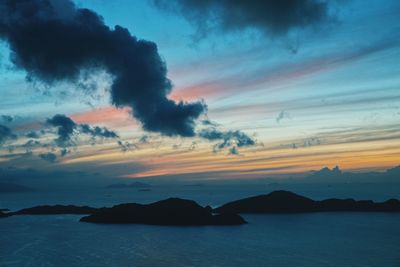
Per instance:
(319,239)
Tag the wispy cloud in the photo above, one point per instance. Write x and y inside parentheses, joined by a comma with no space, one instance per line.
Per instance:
(288,72)
(227,139)
(110,116)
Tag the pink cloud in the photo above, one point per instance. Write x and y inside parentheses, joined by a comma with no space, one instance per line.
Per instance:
(270,76)
(109,116)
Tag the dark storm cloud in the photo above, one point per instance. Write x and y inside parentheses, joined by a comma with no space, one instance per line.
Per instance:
(66,128)
(97,131)
(6,134)
(54,41)
(271,16)
(31,144)
(228,139)
(207,122)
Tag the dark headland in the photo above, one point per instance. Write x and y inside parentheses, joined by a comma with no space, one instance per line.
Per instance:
(54,210)
(180,212)
(3,215)
(288,202)
(172,211)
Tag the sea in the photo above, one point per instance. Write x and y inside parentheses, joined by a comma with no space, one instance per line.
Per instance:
(314,239)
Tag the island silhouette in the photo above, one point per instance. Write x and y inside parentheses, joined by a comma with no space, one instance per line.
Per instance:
(54,210)
(287,202)
(3,215)
(172,211)
(182,212)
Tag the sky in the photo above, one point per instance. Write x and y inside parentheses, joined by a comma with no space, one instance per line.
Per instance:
(221,91)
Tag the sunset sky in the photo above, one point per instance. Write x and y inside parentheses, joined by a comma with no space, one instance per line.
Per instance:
(280,100)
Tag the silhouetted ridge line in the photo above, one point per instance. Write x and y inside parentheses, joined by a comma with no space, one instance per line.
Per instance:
(56,209)
(2,214)
(288,202)
(172,211)
(176,211)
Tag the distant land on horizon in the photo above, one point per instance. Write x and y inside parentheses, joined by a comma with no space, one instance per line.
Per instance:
(177,211)
(287,202)
(324,175)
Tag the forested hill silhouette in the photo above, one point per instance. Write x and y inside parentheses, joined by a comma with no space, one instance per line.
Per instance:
(2,214)
(56,209)
(288,202)
(172,211)
(176,211)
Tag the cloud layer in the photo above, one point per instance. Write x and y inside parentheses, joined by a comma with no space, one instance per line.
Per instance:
(227,139)
(54,41)
(271,16)
(66,128)
(5,134)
